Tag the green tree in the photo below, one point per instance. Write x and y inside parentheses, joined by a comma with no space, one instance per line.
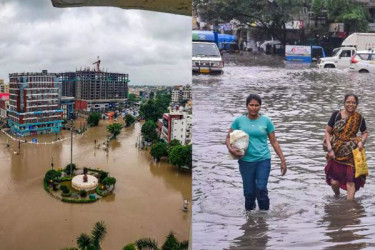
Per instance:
(354,15)
(171,243)
(271,16)
(93,119)
(133,98)
(109,181)
(51,175)
(154,109)
(181,156)
(148,131)
(70,168)
(147,244)
(114,129)
(86,242)
(130,246)
(159,150)
(173,143)
(129,120)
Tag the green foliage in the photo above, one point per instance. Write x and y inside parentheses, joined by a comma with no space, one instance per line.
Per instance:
(133,98)
(173,143)
(66,178)
(154,109)
(184,245)
(129,120)
(159,150)
(130,246)
(68,167)
(51,175)
(102,175)
(108,181)
(171,243)
(181,156)
(114,129)
(147,244)
(65,189)
(83,193)
(271,15)
(93,119)
(148,131)
(78,200)
(98,233)
(84,241)
(354,15)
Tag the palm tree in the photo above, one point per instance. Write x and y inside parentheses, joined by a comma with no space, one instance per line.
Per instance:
(147,244)
(171,243)
(86,242)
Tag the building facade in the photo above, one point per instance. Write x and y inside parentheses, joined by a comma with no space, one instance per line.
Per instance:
(177,126)
(99,90)
(4,88)
(34,103)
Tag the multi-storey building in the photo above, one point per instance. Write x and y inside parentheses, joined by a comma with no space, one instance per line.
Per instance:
(4,88)
(176,125)
(34,103)
(95,90)
(180,93)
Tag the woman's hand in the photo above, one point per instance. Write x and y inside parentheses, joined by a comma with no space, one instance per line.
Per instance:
(360,145)
(283,168)
(331,155)
(236,152)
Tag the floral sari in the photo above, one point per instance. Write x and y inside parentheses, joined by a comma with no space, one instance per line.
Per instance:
(343,140)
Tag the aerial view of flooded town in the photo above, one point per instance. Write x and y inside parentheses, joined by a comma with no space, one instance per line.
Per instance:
(301,58)
(95,150)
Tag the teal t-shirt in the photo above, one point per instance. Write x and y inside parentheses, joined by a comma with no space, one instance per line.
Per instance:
(258,131)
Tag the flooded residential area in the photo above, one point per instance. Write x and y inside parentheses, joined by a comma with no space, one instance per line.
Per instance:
(304,214)
(147,201)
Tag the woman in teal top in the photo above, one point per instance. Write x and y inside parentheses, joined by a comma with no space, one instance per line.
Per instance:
(255,164)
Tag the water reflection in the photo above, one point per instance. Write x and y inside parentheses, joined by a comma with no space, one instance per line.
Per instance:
(255,234)
(344,221)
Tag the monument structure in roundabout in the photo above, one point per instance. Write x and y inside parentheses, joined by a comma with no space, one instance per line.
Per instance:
(78,186)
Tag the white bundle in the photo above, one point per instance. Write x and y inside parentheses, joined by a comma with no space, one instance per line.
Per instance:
(240,140)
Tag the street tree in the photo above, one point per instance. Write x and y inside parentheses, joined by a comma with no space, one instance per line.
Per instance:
(154,109)
(109,181)
(159,150)
(171,243)
(269,15)
(173,143)
(92,242)
(129,120)
(93,119)
(148,131)
(114,129)
(354,15)
(181,156)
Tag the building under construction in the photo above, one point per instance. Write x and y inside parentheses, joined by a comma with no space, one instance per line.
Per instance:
(34,103)
(95,90)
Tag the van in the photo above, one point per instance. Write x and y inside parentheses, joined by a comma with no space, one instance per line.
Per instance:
(206,55)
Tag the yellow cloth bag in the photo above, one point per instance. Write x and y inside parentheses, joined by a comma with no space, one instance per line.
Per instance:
(360,162)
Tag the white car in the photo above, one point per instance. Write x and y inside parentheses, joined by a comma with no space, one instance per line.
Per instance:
(363,62)
(206,58)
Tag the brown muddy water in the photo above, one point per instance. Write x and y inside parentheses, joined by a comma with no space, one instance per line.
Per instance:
(299,98)
(147,201)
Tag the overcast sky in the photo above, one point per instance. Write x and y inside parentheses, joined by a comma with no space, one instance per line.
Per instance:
(153,48)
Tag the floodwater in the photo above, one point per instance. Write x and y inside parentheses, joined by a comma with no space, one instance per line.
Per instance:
(303,214)
(147,200)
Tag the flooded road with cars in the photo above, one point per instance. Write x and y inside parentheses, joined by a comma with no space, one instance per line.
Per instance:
(304,214)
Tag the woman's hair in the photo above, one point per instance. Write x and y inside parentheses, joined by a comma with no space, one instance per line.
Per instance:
(253,97)
(349,95)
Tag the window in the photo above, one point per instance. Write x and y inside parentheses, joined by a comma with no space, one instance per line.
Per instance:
(345,53)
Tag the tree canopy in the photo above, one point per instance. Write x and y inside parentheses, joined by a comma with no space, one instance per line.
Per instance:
(129,120)
(114,129)
(148,131)
(153,109)
(159,150)
(181,156)
(93,119)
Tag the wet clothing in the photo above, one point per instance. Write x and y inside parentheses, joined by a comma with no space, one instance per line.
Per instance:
(255,166)
(258,131)
(255,179)
(343,140)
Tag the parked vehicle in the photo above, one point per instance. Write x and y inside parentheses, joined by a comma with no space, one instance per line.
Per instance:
(363,62)
(342,57)
(206,55)
(301,53)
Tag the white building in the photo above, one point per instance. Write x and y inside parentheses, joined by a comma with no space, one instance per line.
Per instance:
(177,125)
(180,93)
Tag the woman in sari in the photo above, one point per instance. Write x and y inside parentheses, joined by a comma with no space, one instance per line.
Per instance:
(340,139)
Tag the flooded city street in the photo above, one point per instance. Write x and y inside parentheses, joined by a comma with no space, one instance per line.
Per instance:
(303,214)
(147,200)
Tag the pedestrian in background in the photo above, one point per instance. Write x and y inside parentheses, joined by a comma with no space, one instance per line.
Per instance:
(340,139)
(255,164)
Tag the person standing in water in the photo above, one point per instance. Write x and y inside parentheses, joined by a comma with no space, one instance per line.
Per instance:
(340,140)
(255,164)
